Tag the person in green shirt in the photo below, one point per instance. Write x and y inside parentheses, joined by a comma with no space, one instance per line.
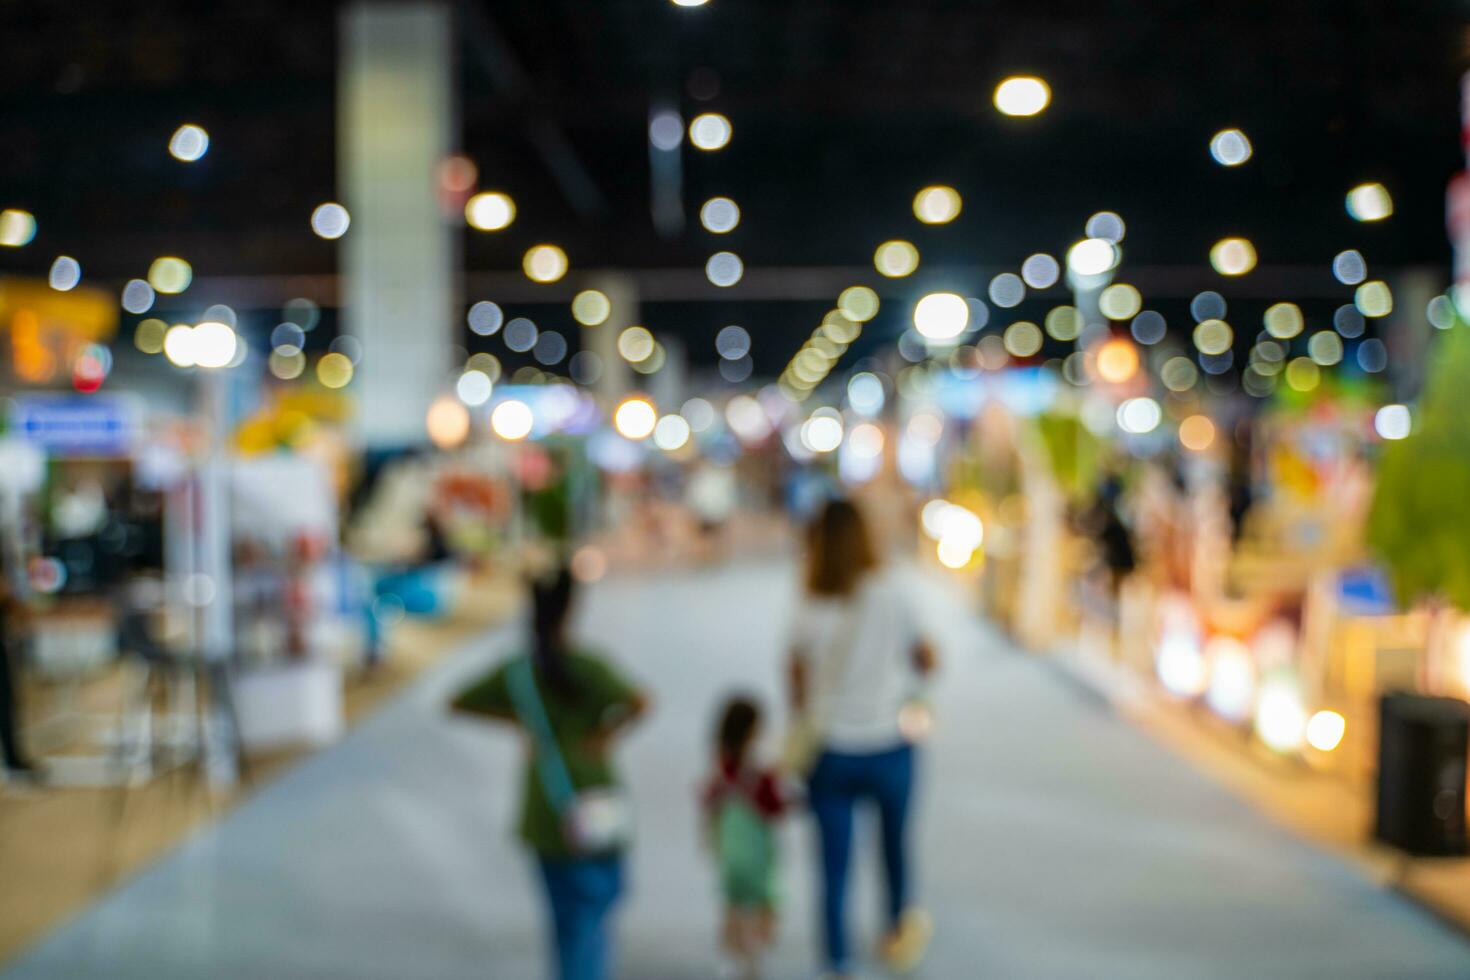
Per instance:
(579,703)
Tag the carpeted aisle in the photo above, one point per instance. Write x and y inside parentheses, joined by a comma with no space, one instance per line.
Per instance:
(1057,841)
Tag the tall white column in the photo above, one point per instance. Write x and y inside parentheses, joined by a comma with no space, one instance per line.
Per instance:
(616,379)
(395,112)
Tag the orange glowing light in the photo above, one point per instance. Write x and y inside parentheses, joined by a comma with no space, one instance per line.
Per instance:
(1197,433)
(1117,361)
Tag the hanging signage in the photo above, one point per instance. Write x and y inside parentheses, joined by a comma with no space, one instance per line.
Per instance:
(64,425)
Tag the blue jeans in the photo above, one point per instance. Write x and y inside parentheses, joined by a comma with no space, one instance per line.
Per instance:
(581,892)
(839,781)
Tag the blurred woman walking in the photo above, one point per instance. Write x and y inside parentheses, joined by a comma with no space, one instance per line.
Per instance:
(858,657)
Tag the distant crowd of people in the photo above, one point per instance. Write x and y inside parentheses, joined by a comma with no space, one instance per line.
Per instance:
(856,681)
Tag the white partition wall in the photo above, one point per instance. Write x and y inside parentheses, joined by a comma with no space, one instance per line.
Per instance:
(395,113)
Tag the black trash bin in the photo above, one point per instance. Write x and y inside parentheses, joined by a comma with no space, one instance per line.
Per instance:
(1422,745)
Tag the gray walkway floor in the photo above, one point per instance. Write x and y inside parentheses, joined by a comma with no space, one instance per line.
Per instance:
(1057,841)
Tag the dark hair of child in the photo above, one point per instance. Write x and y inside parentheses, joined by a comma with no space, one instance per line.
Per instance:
(737,727)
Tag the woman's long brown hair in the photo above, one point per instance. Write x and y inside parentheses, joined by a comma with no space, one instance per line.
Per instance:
(839,550)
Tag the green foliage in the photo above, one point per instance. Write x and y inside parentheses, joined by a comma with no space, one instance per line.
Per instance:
(1419,524)
(1074,453)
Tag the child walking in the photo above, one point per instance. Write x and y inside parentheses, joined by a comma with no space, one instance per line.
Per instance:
(741,804)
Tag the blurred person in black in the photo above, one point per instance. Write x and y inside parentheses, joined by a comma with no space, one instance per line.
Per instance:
(17,765)
(572,704)
(1103,523)
(1241,485)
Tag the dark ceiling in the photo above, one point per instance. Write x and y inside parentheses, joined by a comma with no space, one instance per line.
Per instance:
(841,109)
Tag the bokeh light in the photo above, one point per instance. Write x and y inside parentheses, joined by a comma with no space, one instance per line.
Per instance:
(635,344)
(1233,256)
(1181,666)
(1120,301)
(1230,147)
(1197,433)
(1372,355)
(1208,305)
(288,337)
(17,227)
(654,362)
(1369,202)
(732,342)
(865,393)
(1092,257)
(1107,225)
(699,413)
(1007,290)
(334,370)
(1374,298)
(1022,339)
(486,363)
(937,205)
(287,364)
(1280,717)
(896,258)
(1393,422)
(178,345)
(1040,271)
(635,418)
(447,422)
(544,263)
(1349,267)
(490,211)
(512,420)
(485,318)
(671,433)
(1325,348)
(170,274)
(822,432)
(724,269)
(148,335)
(302,312)
(1179,374)
(719,215)
(1063,323)
(1117,361)
(65,274)
(1440,312)
(520,335)
(1325,730)
(865,441)
(591,308)
(1232,688)
(585,367)
(188,143)
(1284,320)
(330,220)
(941,316)
(137,296)
(1022,95)
(665,130)
(1149,327)
(474,387)
(858,303)
(550,348)
(1213,337)
(213,344)
(1347,321)
(1303,374)
(1139,416)
(710,131)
